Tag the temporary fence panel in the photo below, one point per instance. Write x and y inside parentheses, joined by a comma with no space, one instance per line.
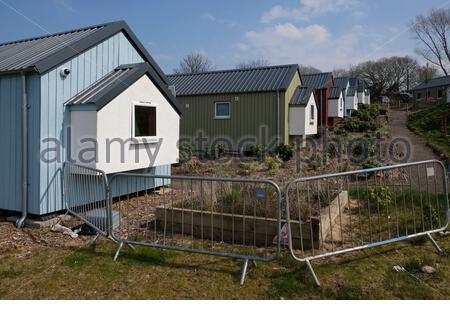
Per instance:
(236,218)
(343,212)
(86,196)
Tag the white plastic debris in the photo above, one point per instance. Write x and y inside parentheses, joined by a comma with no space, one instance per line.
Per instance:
(64,230)
(428,269)
(399,269)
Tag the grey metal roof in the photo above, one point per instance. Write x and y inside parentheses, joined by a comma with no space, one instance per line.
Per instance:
(435,82)
(20,55)
(335,92)
(263,79)
(111,85)
(341,82)
(317,80)
(43,53)
(351,91)
(301,95)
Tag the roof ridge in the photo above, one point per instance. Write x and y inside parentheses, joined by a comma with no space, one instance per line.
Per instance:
(61,33)
(316,73)
(235,70)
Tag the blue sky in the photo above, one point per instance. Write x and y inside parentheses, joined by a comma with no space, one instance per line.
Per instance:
(324,33)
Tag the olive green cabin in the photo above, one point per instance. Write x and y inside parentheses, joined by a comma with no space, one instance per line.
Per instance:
(239,107)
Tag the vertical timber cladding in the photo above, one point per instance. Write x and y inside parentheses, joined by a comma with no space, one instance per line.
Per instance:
(251,113)
(86,68)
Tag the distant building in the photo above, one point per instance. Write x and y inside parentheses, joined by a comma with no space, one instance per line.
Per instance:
(435,90)
(349,94)
(238,107)
(322,84)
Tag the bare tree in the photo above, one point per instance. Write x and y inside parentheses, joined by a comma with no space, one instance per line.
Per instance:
(308,69)
(195,62)
(432,32)
(261,62)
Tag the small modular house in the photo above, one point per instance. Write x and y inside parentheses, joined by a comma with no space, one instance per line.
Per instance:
(322,84)
(303,113)
(240,107)
(96,84)
(349,93)
(434,90)
(363,90)
(335,104)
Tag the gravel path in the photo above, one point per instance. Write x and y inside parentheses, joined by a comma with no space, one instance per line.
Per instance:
(419,149)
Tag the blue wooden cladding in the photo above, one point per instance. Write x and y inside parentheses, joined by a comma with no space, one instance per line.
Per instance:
(48,121)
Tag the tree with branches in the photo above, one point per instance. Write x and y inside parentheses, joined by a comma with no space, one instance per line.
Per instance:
(432,32)
(257,63)
(195,62)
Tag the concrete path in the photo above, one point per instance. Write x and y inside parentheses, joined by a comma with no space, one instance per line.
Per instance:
(397,125)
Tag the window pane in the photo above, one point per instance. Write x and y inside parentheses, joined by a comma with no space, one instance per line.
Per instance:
(144,121)
(222,109)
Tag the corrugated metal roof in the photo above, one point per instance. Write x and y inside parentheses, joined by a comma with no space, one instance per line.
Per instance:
(436,82)
(317,80)
(335,92)
(351,91)
(301,95)
(341,82)
(111,85)
(103,86)
(264,79)
(24,54)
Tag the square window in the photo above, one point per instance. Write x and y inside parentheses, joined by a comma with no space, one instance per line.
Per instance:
(144,121)
(222,110)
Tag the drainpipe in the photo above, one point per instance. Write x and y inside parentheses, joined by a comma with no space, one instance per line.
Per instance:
(278,117)
(21,221)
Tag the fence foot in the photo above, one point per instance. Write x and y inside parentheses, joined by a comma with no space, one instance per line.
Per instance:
(435,244)
(244,272)
(131,246)
(313,274)
(92,241)
(118,251)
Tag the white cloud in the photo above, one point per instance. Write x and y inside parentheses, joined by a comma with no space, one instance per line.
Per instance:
(308,9)
(311,45)
(228,23)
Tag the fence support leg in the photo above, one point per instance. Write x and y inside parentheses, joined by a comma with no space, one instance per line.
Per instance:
(92,241)
(313,274)
(118,251)
(244,272)
(435,244)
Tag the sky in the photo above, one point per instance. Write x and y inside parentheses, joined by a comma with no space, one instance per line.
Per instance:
(326,34)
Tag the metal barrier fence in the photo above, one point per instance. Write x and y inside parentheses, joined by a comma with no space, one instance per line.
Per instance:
(235,218)
(86,196)
(338,213)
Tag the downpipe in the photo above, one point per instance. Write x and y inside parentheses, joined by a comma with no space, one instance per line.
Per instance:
(21,221)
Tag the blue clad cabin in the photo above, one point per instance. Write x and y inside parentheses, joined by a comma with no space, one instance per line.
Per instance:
(97,83)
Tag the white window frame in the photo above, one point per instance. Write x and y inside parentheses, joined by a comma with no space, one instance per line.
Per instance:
(312,114)
(146,139)
(222,117)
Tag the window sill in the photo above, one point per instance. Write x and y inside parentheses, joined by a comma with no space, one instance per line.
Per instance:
(222,118)
(144,140)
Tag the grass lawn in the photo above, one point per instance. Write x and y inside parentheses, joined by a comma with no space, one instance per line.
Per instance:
(427,123)
(90,273)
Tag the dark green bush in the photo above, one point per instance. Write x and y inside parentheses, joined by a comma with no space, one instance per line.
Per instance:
(253,150)
(285,151)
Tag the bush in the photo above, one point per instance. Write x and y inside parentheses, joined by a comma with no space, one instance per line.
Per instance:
(249,166)
(285,151)
(381,195)
(207,152)
(186,152)
(231,197)
(273,163)
(192,165)
(332,150)
(220,150)
(317,162)
(371,163)
(253,150)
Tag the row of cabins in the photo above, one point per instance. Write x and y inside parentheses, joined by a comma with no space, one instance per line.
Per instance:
(434,90)
(264,106)
(95,96)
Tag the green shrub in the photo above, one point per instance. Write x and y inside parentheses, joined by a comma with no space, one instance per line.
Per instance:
(285,151)
(332,150)
(186,152)
(231,197)
(220,150)
(207,154)
(317,162)
(381,195)
(371,163)
(358,149)
(249,166)
(273,163)
(253,150)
